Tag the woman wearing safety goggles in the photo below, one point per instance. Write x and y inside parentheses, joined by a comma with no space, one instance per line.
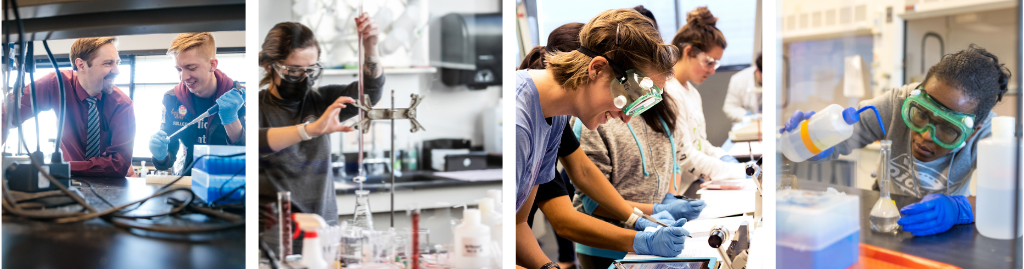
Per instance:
(701,45)
(934,127)
(650,159)
(612,74)
(295,117)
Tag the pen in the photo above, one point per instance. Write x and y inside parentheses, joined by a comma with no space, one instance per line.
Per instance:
(652,219)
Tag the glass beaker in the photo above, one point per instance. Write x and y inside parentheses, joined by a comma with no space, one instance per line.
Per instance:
(363,218)
(351,246)
(788,179)
(884,214)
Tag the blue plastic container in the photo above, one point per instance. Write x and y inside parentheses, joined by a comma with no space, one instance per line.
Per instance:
(816,230)
(215,177)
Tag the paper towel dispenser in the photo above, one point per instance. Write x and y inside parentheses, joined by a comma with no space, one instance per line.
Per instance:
(471,50)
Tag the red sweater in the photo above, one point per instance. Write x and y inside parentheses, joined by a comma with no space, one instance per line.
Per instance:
(117,125)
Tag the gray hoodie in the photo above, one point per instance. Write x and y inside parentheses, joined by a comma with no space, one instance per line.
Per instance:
(952,171)
(614,150)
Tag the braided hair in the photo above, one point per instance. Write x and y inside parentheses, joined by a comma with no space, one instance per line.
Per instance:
(975,72)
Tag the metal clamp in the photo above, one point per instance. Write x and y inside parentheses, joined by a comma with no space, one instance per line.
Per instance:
(372,114)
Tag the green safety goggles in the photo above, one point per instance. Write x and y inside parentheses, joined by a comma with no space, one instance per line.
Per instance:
(634,93)
(949,128)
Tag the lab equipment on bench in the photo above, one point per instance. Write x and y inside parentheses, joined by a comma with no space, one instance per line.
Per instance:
(284,225)
(821,131)
(735,257)
(677,262)
(219,180)
(995,176)
(472,242)
(363,217)
(367,114)
(312,252)
(816,229)
(884,214)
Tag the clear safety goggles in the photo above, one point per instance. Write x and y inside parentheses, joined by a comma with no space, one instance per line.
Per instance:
(634,93)
(949,128)
(706,61)
(296,73)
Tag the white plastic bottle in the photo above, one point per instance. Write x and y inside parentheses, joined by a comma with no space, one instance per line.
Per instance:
(491,218)
(472,242)
(312,252)
(995,175)
(825,129)
(496,195)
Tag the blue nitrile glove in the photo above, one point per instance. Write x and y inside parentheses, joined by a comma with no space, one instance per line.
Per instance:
(229,104)
(158,145)
(935,213)
(730,159)
(680,208)
(665,242)
(794,123)
(663,217)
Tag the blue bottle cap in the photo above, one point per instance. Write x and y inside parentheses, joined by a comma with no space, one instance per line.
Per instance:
(850,115)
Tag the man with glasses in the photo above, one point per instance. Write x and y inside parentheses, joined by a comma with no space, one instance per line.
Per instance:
(202,87)
(99,127)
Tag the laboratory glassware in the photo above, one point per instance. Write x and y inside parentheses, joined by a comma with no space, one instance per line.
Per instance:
(363,218)
(884,214)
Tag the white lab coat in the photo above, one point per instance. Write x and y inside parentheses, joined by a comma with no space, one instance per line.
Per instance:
(744,96)
(702,158)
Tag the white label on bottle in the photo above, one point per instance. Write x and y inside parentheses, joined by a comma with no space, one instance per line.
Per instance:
(474,247)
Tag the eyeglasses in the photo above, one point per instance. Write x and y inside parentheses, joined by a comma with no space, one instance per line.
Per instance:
(706,61)
(296,73)
(949,129)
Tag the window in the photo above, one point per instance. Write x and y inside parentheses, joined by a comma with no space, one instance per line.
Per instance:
(150,87)
(159,77)
(736,20)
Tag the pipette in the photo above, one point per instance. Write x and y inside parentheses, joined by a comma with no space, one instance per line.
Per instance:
(209,112)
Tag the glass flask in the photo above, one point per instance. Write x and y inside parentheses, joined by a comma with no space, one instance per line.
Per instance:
(363,218)
(884,214)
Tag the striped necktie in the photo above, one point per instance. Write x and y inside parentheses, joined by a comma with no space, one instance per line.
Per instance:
(92,148)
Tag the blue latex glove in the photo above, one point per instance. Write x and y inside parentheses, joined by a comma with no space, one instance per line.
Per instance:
(663,217)
(935,213)
(680,208)
(794,123)
(730,159)
(158,145)
(665,242)
(229,104)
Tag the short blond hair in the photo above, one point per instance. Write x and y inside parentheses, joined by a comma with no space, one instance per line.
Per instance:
(84,47)
(203,42)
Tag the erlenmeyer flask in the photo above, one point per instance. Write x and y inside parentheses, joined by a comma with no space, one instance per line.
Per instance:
(363,218)
(885,213)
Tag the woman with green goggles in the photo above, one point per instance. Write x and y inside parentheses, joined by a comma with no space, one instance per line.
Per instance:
(601,79)
(934,127)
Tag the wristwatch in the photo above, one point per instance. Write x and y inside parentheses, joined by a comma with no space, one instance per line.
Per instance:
(302,132)
(550,265)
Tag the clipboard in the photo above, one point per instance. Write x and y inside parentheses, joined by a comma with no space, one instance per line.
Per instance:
(668,262)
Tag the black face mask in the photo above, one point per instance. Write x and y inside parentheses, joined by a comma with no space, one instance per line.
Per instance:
(293,91)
